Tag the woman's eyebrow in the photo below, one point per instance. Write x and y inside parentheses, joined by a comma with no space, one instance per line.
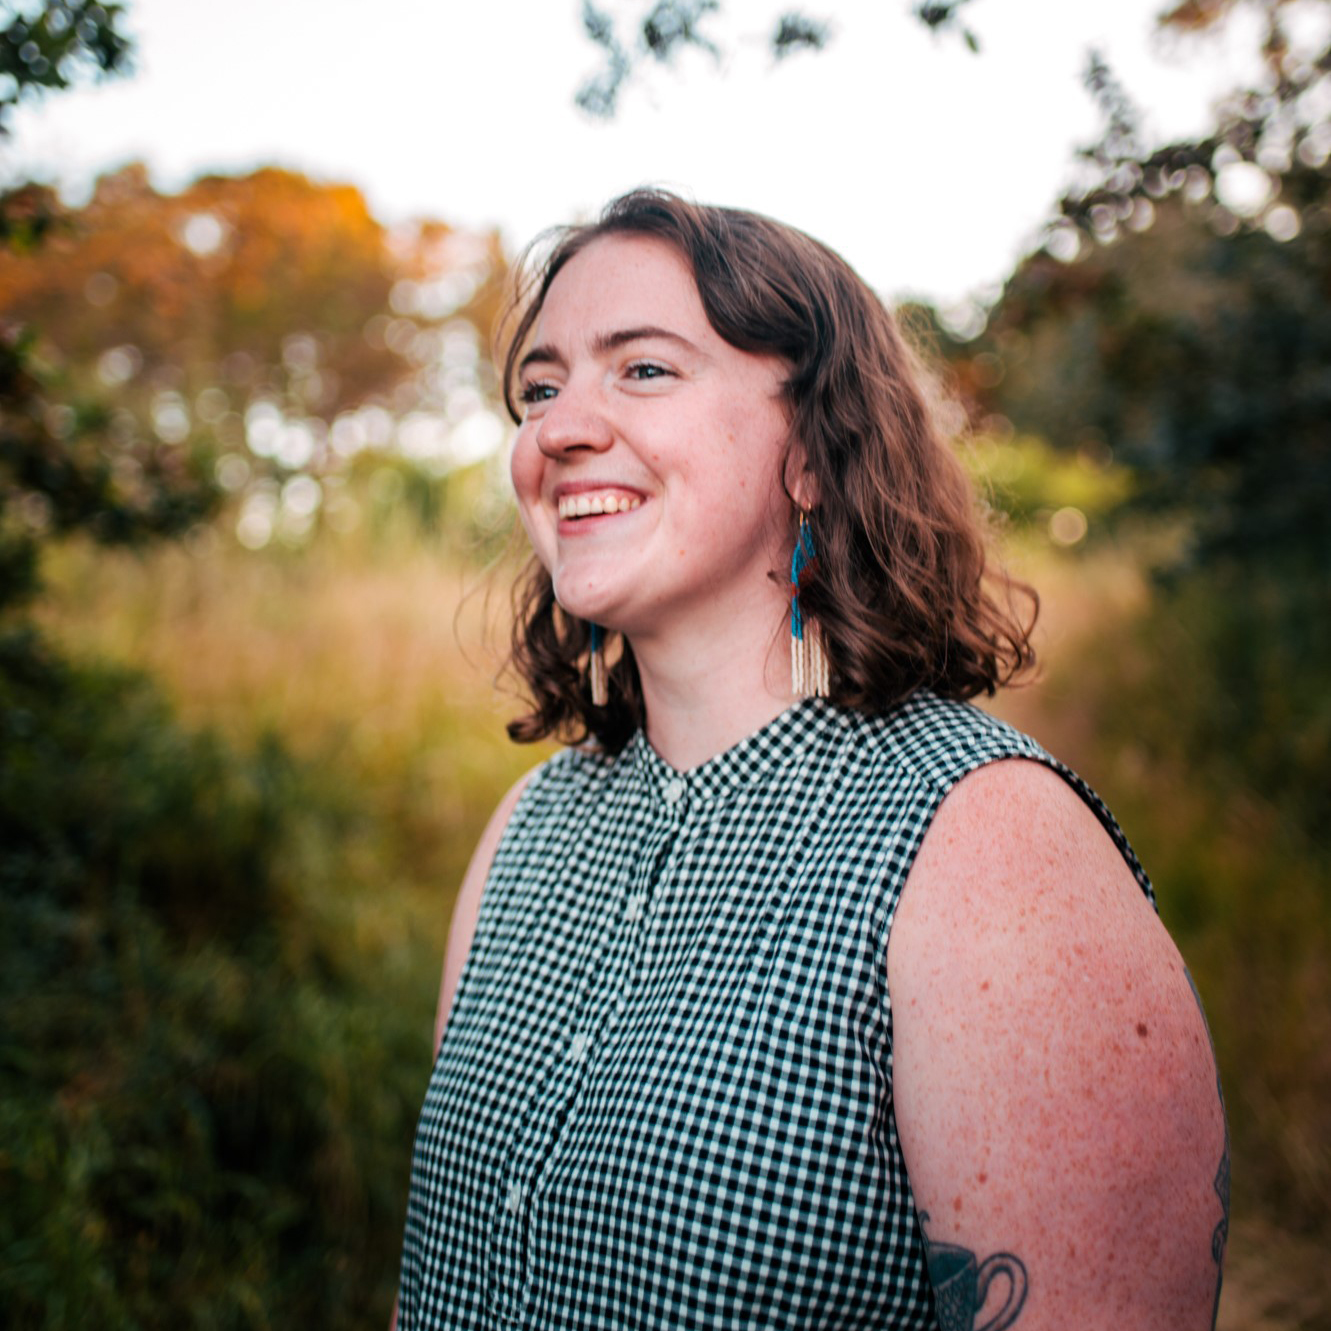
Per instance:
(546,354)
(603,342)
(542,355)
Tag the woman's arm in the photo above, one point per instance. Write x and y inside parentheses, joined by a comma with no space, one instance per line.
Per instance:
(462,928)
(1054,1084)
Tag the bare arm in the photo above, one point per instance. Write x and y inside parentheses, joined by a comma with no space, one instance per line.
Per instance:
(468,905)
(462,928)
(1054,1085)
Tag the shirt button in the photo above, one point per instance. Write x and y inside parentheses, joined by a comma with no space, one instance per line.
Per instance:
(621,1005)
(674,790)
(578,1048)
(514,1199)
(633,911)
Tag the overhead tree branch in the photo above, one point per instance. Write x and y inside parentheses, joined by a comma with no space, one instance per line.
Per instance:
(664,27)
(46,50)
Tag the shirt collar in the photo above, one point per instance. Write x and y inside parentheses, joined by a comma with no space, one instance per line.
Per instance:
(773,746)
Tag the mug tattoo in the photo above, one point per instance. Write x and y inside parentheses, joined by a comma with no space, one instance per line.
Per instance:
(961,1284)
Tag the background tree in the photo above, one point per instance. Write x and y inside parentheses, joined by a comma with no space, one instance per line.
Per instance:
(209,1068)
(1174,328)
(249,330)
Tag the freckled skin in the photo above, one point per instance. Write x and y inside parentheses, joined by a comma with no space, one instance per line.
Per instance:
(1026,970)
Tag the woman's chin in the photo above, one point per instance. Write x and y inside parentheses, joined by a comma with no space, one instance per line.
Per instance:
(585,594)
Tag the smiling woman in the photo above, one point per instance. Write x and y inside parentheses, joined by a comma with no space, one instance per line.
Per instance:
(637,408)
(769,1009)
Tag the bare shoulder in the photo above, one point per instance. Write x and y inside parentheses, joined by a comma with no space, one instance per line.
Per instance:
(467,907)
(1054,1085)
(1016,816)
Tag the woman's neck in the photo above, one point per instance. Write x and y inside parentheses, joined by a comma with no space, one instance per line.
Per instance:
(706,693)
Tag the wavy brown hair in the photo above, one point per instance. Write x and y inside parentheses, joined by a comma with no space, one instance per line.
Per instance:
(905,587)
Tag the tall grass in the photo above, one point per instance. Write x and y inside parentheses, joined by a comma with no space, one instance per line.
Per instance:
(371,661)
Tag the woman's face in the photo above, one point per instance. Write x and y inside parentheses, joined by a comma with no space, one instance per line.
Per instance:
(648,464)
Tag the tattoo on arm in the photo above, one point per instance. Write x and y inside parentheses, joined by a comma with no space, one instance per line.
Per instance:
(961,1284)
(1220,1237)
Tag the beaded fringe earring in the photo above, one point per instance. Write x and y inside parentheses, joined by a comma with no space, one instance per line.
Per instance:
(596,673)
(810,675)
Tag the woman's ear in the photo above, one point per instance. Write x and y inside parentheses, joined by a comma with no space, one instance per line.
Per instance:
(801,484)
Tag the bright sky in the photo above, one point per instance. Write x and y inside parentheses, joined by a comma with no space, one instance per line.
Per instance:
(930,168)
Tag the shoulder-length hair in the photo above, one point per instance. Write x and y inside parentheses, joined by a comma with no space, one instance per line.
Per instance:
(905,588)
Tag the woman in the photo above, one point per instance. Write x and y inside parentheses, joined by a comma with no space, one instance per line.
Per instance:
(767,1009)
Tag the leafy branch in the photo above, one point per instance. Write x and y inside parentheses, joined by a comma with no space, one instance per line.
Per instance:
(667,26)
(49,49)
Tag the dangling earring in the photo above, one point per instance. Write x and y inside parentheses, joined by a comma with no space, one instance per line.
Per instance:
(596,675)
(810,676)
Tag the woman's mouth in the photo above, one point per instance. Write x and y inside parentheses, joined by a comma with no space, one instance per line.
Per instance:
(593,503)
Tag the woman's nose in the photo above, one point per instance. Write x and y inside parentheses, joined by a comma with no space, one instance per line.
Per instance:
(573,420)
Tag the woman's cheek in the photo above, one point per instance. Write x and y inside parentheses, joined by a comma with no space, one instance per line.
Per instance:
(524,469)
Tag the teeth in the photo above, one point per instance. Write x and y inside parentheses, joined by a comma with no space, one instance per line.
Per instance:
(590,505)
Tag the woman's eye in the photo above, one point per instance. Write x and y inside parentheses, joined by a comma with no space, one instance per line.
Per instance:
(536,392)
(646,369)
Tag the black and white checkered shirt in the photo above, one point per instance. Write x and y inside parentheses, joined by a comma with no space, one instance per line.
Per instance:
(664,1095)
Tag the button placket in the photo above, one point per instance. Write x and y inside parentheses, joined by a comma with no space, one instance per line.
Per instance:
(638,903)
(600,1011)
(519,1205)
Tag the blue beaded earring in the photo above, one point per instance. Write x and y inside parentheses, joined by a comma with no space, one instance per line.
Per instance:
(596,674)
(810,676)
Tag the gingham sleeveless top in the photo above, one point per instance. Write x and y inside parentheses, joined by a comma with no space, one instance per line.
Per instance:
(664,1094)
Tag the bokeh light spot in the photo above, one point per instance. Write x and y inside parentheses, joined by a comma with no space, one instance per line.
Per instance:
(170,419)
(203,234)
(254,526)
(1063,242)
(100,289)
(1068,526)
(119,365)
(1282,222)
(263,425)
(1244,188)
(232,471)
(479,436)
(301,496)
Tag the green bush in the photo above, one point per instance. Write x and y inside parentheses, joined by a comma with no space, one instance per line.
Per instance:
(206,1093)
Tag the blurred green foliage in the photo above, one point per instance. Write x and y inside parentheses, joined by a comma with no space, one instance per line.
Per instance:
(1190,345)
(1028,480)
(209,1072)
(1204,363)
(1202,360)
(1203,720)
(206,1093)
